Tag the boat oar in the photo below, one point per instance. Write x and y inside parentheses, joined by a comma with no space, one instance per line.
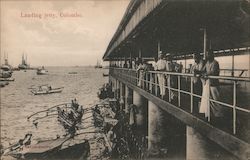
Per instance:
(88,132)
(65,105)
(86,118)
(44,117)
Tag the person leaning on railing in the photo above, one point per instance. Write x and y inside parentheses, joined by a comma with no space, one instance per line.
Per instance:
(153,78)
(212,68)
(144,76)
(196,69)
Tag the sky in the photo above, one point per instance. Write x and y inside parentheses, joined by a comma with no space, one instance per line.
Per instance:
(58,33)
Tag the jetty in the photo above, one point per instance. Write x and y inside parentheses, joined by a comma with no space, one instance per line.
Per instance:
(169,126)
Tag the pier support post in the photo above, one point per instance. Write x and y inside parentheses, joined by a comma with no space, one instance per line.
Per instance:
(139,101)
(122,95)
(200,147)
(128,98)
(155,129)
(117,89)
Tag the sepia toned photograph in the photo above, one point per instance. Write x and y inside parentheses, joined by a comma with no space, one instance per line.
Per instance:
(125,79)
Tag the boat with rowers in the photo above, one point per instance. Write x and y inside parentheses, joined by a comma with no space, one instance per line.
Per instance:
(46,89)
(7,79)
(41,71)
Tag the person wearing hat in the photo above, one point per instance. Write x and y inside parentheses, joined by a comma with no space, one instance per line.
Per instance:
(196,69)
(161,65)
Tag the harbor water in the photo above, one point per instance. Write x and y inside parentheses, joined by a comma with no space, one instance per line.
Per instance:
(17,102)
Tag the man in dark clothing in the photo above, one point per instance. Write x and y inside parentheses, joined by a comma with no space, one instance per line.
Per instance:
(196,69)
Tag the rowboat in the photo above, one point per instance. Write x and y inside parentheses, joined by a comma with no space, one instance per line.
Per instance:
(46,90)
(60,148)
(7,79)
(41,72)
(2,84)
(72,73)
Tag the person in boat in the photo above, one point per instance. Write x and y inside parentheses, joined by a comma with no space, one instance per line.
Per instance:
(26,140)
(80,111)
(75,104)
(97,110)
(72,130)
(40,88)
(196,80)
(71,116)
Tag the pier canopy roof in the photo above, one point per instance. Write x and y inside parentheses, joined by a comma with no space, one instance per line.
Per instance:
(177,25)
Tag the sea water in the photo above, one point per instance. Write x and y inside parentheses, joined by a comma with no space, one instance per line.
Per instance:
(17,101)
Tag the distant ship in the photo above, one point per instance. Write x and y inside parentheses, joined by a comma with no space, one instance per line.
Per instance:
(98,64)
(6,69)
(6,66)
(24,64)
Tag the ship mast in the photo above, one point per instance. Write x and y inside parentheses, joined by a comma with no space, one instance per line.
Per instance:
(23,59)
(5,58)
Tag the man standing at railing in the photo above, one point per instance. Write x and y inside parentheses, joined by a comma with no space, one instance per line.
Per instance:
(197,82)
(161,66)
(212,68)
(141,70)
(153,77)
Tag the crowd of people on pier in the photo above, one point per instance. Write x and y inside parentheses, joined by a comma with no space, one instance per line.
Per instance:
(203,87)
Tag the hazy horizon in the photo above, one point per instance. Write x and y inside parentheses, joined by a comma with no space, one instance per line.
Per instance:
(64,33)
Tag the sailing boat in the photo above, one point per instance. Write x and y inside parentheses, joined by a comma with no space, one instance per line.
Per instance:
(6,66)
(6,69)
(98,64)
(24,64)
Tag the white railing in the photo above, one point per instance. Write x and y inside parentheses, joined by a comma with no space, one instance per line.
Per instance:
(149,82)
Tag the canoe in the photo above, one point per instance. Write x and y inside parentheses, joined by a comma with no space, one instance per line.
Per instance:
(61,148)
(47,91)
(63,117)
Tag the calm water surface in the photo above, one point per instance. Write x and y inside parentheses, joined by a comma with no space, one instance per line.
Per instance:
(17,102)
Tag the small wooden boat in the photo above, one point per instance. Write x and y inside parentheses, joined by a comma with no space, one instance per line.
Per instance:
(2,84)
(60,148)
(41,71)
(72,73)
(7,79)
(45,89)
(105,75)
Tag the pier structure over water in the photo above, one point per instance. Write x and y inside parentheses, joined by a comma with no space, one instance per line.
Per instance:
(173,128)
